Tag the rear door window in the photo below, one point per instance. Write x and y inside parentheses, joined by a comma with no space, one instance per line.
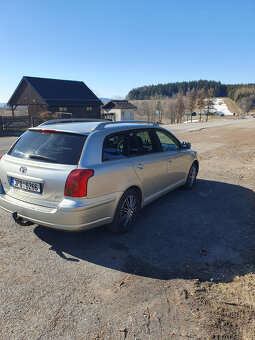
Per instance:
(50,146)
(142,142)
(115,147)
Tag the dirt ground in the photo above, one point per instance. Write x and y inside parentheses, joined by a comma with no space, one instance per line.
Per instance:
(186,271)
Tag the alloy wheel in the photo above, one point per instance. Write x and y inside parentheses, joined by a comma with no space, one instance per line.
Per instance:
(128,210)
(192,175)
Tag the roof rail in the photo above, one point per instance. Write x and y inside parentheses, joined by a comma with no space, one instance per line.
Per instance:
(72,120)
(102,125)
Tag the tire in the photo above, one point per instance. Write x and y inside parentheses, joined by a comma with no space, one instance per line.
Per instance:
(192,176)
(126,212)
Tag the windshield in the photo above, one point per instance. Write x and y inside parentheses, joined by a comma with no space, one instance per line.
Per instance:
(50,146)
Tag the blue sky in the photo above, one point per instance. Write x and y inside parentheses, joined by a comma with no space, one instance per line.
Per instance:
(114,46)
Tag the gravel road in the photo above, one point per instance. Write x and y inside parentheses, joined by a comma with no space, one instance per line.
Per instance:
(5,144)
(154,282)
(185,127)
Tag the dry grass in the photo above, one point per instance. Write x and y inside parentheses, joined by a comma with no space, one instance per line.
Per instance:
(232,106)
(20,111)
(234,307)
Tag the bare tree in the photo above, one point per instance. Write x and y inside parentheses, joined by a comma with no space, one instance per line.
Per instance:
(144,110)
(191,100)
(46,115)
(209,104)
(169,109)
(155,105)
(179,107)
(147,109)
(159,110)
(201,100)
(245,104)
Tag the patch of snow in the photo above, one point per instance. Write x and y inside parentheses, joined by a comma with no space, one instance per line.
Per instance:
(193,121)
(221,108)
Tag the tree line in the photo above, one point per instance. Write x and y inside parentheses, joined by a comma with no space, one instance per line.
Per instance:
(171,89)
(240,93)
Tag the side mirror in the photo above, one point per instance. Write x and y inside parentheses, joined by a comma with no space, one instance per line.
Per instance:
(186,145)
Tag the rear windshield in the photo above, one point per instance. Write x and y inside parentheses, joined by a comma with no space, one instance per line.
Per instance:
(53,147)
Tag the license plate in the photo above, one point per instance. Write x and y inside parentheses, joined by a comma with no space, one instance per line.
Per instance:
(25,185)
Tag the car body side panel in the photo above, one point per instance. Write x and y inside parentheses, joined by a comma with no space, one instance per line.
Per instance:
(151,170)
(178,164)
(112,176)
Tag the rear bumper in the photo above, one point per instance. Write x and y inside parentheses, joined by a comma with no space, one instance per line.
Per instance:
(71,214)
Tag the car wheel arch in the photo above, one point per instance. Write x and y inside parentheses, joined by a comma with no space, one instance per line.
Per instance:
(117,226)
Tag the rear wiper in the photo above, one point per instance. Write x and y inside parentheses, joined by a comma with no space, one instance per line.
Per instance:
(43,158)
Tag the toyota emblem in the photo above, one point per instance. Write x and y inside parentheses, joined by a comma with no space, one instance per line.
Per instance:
(23,169)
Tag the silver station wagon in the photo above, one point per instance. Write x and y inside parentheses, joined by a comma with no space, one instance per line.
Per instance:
(77,174)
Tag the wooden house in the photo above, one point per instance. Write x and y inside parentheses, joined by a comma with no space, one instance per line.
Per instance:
(55,95)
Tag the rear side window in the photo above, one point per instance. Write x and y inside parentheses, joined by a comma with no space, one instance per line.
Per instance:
(141,142)
(115,147)
(53,147)
(129,144)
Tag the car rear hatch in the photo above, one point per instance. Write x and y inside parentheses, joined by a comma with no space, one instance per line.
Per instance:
(36,168)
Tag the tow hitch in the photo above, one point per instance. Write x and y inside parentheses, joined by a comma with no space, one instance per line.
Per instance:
(20,220)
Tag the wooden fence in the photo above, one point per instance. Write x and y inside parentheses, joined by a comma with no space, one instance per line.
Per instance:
(16,123)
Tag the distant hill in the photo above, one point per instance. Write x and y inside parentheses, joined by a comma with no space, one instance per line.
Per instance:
(3,104)
(171,89)
(105,100)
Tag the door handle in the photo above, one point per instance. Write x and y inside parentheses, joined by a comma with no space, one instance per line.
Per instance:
(140,166)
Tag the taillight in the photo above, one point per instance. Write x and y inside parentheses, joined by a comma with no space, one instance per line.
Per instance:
(1,157)
(77,182)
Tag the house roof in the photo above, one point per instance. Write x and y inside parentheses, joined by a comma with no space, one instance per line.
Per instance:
(57,92)
(119,104)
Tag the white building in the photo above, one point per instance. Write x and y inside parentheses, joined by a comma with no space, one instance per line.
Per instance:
(119,110)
